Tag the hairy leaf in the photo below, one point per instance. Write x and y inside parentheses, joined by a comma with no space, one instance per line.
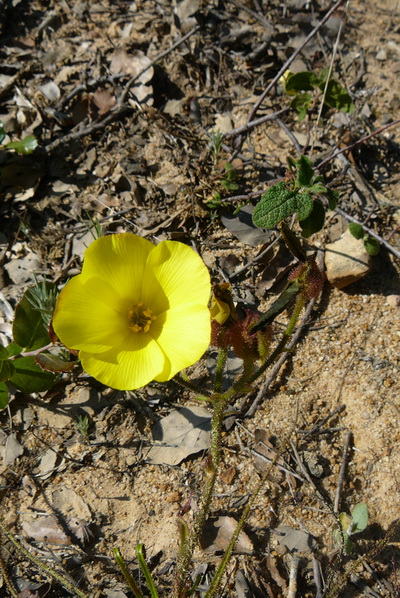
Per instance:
(359,518)
(278,203)
(305,171)
(372,246)
(356,230)
(54,363)
(314,222)
(301,104)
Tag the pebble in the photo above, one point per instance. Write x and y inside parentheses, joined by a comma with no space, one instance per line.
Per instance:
(393,300)
(346,261)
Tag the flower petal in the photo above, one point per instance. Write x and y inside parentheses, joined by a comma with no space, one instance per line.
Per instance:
(184,337)
(181,274)
(90,315)
(119,260)
(136,362)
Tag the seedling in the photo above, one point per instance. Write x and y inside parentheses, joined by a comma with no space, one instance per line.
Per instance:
(349,526)
(306,86)
(24,146)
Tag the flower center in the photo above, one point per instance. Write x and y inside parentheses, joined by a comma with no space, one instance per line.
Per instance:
(140,319)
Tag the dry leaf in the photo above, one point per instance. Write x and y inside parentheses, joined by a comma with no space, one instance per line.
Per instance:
(103,100)
(217,534)
(242,227)
(295,540)
(183,432)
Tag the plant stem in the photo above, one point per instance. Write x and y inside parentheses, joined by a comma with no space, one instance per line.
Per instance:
(219,369)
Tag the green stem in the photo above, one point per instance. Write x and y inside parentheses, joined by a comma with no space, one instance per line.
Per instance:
(219,369)
(54,574)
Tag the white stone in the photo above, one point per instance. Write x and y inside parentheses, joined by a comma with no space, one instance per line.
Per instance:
(346,260)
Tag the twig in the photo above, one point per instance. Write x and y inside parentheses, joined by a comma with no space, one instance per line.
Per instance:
(370,232)
(89,130)
(323,422)
(316,565)
(254,260)
(289,133)
(255,123)
(294,568)
(180,41)
(342,472)
(349,147)
(275,370)
(335,47)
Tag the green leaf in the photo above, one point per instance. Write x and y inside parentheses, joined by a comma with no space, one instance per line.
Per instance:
(54,363)
(279,305)
(356,230)
(303,81)
(337,97)
(29,330)
(3,395)
(6,370)
(332,197)
(29,377)
(305,171)
(24,146)
(317,188)
(301,104)
(278,203)
(13,349)
(372,246)
(314,222)
(3,353)
(359,518)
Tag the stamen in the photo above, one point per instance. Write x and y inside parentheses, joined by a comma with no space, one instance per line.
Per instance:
(140,319)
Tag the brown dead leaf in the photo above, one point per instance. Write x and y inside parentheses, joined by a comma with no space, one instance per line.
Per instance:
(103,100)
(217,534)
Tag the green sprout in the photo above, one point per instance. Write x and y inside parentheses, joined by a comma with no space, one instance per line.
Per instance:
(216,143)
(349,526)
(83,424)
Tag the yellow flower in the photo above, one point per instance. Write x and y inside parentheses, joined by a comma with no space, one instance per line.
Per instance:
(137,312)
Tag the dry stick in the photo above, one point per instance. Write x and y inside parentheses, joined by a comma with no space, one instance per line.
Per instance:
(289,133)
(254,123)
(370,232)
(342,472)
(350,147)
(154,61)
(292,57)
(294,568)
(86,130)
(275,370)
(323,422)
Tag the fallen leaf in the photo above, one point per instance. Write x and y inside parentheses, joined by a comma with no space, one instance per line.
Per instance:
(183,432)
(242,227)
(217,533)
(294,540)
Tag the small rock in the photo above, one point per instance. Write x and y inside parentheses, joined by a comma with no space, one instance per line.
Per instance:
(381,55)
(393,300)
(346,261)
